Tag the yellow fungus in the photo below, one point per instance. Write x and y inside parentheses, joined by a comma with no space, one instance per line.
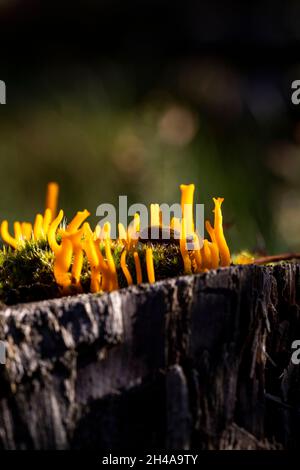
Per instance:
(62,263)
(98,231)
(154,215)
(77,221)
(106,231)
(77,267)
(206,255)
(26,228)
(105,275)
(87,232)
(214,249)
(197,253)
(125,269)
(133,231)
(6,235)
(150,265)
(91,253)
(184,250)
(52,198)
(71,244)
(47,221)
(122,233)
(55,247)
(111,265)
(137,222)
(214,254)
(18,232)
(176,227)
(38,226)
(138,268)
(187,198)
(218,230)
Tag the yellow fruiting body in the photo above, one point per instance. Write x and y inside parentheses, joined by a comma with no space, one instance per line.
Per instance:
(7,238)
(77,242)
(219,233)
(187,199)
(183,249)
(150,265)
(155,218)
(138,268)
(52,198)
(38,227)
(125,269)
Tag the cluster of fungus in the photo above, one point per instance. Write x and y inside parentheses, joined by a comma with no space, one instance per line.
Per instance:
(76,244)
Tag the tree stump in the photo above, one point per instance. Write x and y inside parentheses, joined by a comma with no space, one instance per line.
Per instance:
(196,362)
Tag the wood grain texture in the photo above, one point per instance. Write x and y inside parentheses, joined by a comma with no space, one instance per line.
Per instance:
(196,362)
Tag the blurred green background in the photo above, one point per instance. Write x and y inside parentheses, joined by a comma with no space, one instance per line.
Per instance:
(104,119)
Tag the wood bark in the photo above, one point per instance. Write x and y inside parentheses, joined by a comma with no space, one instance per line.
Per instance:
(196,362)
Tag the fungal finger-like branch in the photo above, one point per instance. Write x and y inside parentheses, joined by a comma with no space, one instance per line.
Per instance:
(47,221)
(26,230)
(55,247)
(62,263)
(150,265)
(138,268)
(6,235)
(184,250)
(77,221)
(18,233)
(187,199)
(219,233)
(52,198)
(125,269)
(38,227)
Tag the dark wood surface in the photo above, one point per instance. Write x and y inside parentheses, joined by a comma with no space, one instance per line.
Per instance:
(197,362)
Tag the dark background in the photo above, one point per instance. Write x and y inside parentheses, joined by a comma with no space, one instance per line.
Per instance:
(135,97)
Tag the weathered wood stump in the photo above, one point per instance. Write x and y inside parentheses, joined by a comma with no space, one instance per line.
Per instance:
(197,362)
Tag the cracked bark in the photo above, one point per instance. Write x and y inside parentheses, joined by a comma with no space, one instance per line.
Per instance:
(197,362)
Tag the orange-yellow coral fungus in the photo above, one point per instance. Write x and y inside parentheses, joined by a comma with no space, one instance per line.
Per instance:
(150,265)
(122,233)
(26,230)
(52,232)
(175,225)
(75,242)
(77,267)
(206,255)
(218,230)
(62,263)
(6,235)
(111,266)
(38,227)
(214,254)
(70,245)
(93,259)
(133,231)
(154,215)
(197,254)
(47,221)
(18,232)
(77,221)
(184,250)
(125,269)
(187,198)
(138,268)
(52,197)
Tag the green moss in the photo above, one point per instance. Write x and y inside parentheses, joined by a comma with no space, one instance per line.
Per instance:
(26,274)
